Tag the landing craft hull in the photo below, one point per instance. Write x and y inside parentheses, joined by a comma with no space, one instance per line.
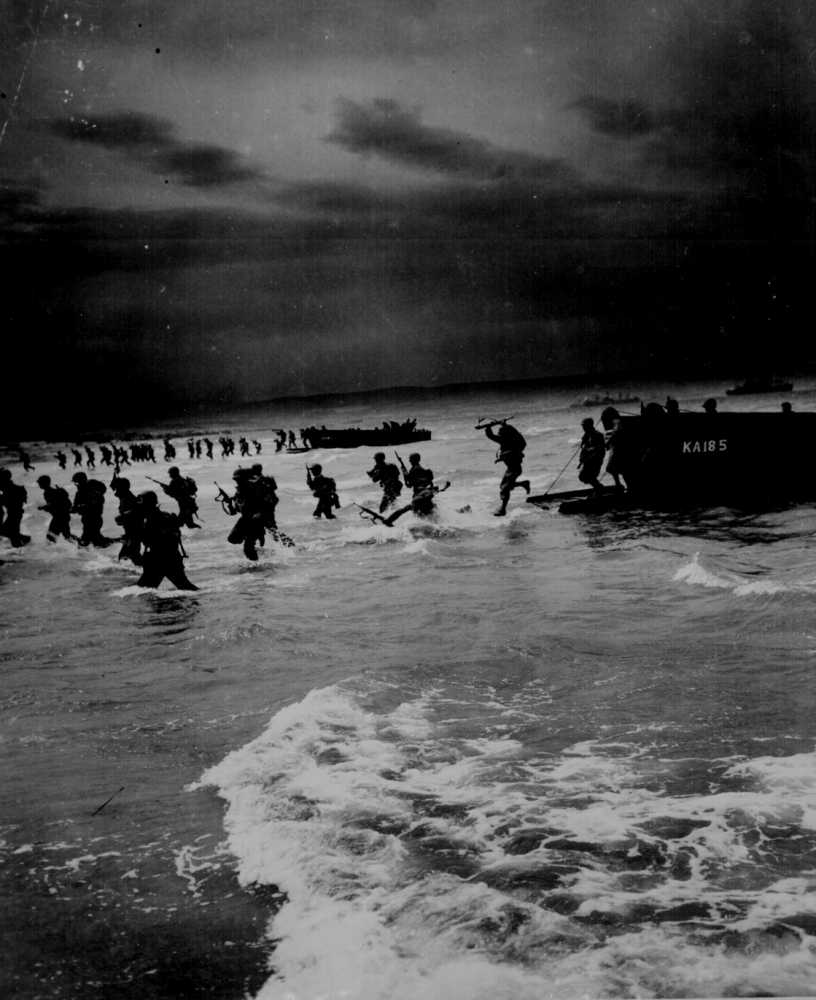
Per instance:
(596,401)
(728,459)
(377,438)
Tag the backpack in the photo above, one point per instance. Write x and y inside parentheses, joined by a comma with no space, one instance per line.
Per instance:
(161,530)
(97,487)
(191,486)
(511,439)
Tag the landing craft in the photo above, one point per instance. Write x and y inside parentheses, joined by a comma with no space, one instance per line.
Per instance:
(693,459)
(377,437)
(605,401)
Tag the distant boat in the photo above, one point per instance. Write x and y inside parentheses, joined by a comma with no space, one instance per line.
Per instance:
(751,385)
(606,400)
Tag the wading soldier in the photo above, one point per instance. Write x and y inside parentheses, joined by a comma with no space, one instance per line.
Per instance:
(183,490)
(387,475)
(12,499)
(58,505)
(89,503)
(325,489)
(163,552)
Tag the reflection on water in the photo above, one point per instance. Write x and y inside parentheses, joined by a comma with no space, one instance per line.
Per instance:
(720,524)
(168,616)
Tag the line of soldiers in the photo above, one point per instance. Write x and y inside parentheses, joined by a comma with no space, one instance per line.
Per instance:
(152,538)
(115,455)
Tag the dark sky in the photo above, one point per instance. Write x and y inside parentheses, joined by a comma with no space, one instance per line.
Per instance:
(230,201)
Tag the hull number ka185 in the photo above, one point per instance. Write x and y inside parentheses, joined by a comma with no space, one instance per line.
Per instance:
(691,447)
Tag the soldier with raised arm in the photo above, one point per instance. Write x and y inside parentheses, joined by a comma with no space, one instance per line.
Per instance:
(325,489)
(511,451)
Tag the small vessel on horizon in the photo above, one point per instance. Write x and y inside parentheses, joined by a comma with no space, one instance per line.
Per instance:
(756,385)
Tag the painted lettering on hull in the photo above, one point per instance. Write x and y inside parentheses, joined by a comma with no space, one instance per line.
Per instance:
(698,447)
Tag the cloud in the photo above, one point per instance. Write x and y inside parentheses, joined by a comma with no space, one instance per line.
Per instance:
(153,142)
(736,114)
(204,165)
(626,118)
(127,130)
(386,128)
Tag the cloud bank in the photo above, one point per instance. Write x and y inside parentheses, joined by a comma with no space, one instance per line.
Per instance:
(153,142)
(672,232)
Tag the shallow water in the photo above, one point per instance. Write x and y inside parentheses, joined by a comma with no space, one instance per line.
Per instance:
(476,757)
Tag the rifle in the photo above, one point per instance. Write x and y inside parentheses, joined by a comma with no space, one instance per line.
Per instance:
(491,423)
(402,465)
(224,499)
(152,480)
(367,514)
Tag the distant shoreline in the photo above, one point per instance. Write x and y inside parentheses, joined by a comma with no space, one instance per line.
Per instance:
(211,412)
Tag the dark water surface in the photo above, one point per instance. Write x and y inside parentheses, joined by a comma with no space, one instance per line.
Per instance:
(478,757)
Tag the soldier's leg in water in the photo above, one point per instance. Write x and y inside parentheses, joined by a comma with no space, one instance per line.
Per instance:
(239,532)
(398,513)
(153,572)
(174,571)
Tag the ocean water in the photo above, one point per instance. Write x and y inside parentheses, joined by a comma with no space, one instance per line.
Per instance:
(476,757)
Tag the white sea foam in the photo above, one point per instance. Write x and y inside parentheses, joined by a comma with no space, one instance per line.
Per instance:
(164,590)
(696,574)
(339,806)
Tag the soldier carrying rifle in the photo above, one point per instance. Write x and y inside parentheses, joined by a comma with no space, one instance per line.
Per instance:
(325,489)
(254,500)
(183,490)
(511,451)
